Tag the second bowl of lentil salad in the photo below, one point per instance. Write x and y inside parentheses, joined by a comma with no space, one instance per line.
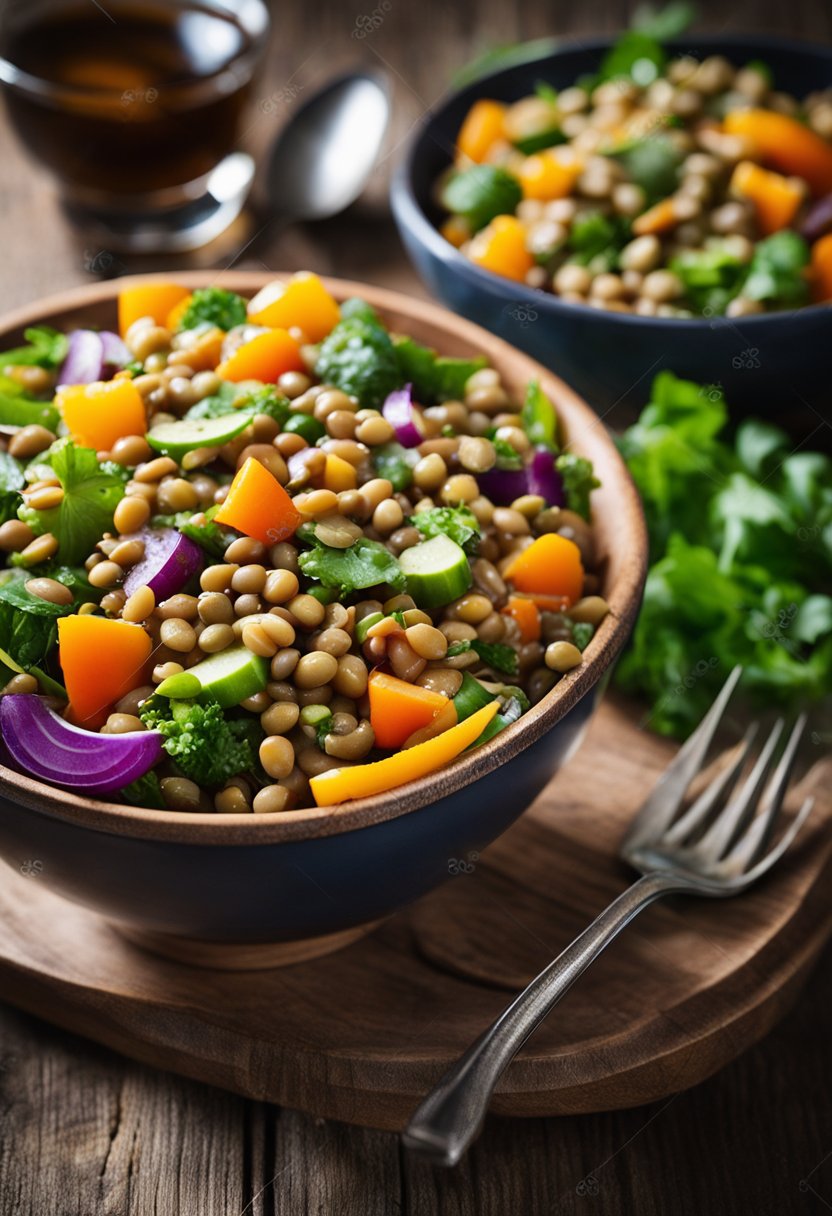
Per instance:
(719,292)
(79,832)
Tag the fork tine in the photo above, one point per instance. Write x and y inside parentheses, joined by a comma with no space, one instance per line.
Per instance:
(723,831)
(664,800)
(712,795)
(758,835)
(785,842)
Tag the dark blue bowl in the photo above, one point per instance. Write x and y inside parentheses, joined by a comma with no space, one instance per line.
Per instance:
(777,362)
(186,884)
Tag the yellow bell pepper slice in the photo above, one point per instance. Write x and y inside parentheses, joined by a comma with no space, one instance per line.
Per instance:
(341,784)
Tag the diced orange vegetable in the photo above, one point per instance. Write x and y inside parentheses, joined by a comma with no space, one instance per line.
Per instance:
(550,566)
(659,218)
(456,230)
(549,174)
(397,708)
(527,615)
(257,505)
(339,474)
(785,143)
(550,603)
(822,268)
(501,247)
(303,301)
(775,198)
(98,414)
(177,313)
(484,124)
(102,659)
(362,780)
(148,300)
(264,358)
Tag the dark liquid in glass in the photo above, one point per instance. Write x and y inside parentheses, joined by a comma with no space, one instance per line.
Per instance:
(146,96)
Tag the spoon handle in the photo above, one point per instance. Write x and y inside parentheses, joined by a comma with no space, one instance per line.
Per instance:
(449,1118)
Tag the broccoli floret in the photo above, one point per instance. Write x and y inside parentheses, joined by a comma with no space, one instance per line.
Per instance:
(359,358)
(206,746)
(214,306)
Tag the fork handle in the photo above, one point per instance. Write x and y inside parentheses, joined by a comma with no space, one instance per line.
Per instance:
(450,1117)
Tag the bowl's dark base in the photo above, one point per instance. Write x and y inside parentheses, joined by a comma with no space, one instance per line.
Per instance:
(242,956)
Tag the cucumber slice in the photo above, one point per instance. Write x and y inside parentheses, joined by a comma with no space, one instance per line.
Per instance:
(437,572)
(228,677)
(176,438)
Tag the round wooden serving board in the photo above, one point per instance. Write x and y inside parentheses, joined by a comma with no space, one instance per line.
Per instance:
(362,1034)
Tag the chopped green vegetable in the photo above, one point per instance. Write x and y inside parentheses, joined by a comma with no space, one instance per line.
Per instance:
(582,633)
(638,52)
(741,541)
(437,572)
(494,654)
(596,240)
(17,408)
(249,395)
(712,277)
(367,563)
(777,274)
(12,482)
(507,455)
(435,378)
(459,523)
(550,137)
(481,193)
(470,696)
(206,746)
(178,438)
(92,491)
(46,348)
(28,624)
(652,163)
(579,481)
(214,306)
(539,419)
(365,625)
(305,425)
(396,464)
(359,358)
(145,791)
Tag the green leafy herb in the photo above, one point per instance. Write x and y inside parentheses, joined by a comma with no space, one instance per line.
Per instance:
(459,523)
(777,274)
(507,455)
(228,398)
(579,481)
(638,53)
(435,378)
(12,482)
(214,306)
(206,746)
(741,542)
(652,163)
(358,357)
(539,419)
(92,491)
(17,408)
(305,425)
(582,633)
(201,528)
(396,464)
(46,348)
(28,624)
(366,563)
(145,791)
(481,193)
(597,240)
(493,654)
(712,277)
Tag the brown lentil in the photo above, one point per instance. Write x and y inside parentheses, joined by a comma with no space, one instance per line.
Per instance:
(308,611)
(30,441)
(179,605)
(591,610)
(122,724)
(180,794)
(155,470)
(49,589)
(231,801)
(128,553)
(105,574)
(427,641)
(277,755)
(280,718)
(139,605)
(214,608)
(215,638)
(562,656)
(21,683)
(315,669)
(271,800)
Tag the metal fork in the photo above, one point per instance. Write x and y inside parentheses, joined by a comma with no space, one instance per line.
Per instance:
(703,850)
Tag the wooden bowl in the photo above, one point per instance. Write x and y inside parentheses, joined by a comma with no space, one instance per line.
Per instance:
(246,890)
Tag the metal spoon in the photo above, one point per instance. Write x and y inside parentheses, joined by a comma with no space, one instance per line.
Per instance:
(321,160)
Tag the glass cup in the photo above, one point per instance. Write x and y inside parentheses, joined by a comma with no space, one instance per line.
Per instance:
(136,109)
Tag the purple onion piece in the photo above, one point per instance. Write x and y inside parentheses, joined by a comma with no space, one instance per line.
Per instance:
(403,416)
(170,560)
(84,362)
(115,353)
(539,476)
(43,745)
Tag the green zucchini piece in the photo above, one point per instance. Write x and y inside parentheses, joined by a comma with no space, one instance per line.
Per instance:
(437,572)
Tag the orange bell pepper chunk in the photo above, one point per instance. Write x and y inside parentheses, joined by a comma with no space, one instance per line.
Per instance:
(501,248)
(551,565)
(98,414)
(659,218)
(484,125)
(785,143)
(527,615)
(822,268)
(397,708)
(264,358)
(549,174)
(148,300)
(303,301)
(339,474)
(177,312)
(257,505)
(102,659)
(362,780)
(775,198)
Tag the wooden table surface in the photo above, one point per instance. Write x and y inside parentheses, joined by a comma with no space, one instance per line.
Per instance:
(85,1132)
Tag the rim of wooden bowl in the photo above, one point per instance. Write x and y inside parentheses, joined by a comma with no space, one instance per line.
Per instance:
(619,526)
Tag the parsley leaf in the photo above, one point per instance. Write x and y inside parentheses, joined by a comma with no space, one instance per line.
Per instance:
(366,563)
(358,357)
(214,306)
(92,491)
(494,654)
(579,481)
(46,348)
(481,193)
(459,523)
(435,378)
(12,482)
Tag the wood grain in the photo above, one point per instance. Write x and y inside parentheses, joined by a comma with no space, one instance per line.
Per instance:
(677,997)
(740,1143)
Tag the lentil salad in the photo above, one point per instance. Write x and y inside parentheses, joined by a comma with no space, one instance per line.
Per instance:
(662,186)
(265,554)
